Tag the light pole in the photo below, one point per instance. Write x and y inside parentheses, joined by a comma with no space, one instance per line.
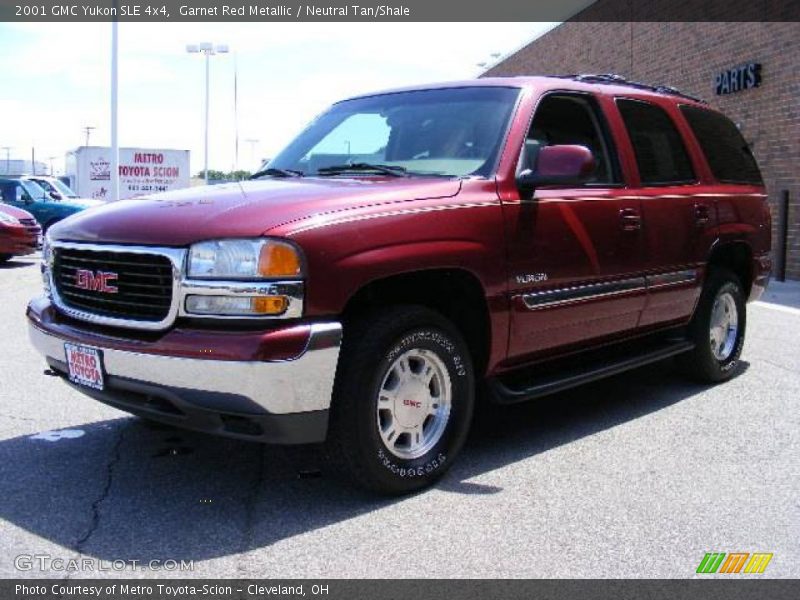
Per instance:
(209,50)
(114,105)
(52,168)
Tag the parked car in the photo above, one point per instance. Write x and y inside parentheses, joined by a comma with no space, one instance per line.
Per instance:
(522,235)
(57,189)
(23,192)
(20,234)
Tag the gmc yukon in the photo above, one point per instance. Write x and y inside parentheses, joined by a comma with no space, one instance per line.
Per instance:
(513,236)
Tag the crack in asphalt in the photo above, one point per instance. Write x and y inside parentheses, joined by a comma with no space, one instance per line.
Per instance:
(16,418)
(250,501)
(115,456)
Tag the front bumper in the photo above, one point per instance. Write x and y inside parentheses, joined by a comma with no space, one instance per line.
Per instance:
(19,243)
(281,400)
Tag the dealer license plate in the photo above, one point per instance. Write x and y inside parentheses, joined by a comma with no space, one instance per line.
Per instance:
(85,365)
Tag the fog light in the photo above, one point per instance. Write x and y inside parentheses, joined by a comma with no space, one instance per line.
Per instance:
(236,305)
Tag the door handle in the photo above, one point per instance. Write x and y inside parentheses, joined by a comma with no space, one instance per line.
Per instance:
(630,219)
(702,214)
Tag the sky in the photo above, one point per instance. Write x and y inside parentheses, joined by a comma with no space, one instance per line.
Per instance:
(55,79)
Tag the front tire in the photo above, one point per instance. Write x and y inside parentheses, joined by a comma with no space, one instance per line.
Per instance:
(403,400)
(717,329)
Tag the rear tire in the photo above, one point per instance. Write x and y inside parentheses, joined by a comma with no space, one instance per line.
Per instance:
(403,400)
(717,329)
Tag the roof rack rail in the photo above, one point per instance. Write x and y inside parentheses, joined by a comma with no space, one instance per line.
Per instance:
(620,80)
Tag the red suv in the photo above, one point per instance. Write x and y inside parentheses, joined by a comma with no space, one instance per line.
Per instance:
(20,234)
(517,235)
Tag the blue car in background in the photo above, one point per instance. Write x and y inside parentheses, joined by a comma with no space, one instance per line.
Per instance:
(28,195)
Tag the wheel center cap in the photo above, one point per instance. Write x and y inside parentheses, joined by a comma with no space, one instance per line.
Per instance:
(411,404)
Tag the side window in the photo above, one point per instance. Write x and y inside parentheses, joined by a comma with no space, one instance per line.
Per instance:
(660,153)
(566,119)
(726,151)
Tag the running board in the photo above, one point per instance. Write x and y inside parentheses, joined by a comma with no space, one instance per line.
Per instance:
(542,381)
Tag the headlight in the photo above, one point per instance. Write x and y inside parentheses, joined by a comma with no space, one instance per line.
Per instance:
(47,259)
(243,259)
(8,219)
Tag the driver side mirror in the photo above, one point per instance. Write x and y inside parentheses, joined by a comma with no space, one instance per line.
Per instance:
(55,195)
(564,164)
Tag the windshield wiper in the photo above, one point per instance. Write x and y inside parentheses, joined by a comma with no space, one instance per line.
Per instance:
(392,170)
(273,172)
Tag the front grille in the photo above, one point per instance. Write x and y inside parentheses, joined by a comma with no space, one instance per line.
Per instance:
(143,283)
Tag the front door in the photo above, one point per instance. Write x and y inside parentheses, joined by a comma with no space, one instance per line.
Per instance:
(575,254)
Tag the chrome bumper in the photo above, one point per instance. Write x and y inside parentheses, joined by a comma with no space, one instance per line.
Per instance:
(300,385)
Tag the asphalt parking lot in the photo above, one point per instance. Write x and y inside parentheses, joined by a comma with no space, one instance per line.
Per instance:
(636,476)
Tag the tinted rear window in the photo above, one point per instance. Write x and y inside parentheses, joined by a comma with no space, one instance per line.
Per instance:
(726,150)
(660,153)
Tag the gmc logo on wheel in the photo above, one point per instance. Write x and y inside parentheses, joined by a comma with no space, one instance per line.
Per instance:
(414,403)
(96,282)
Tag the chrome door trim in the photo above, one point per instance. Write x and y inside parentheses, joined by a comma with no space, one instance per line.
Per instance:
(593,291)
(671,278)
(590,291)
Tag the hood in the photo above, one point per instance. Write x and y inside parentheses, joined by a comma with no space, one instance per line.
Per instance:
(15,212)
(80,202)
(249,208)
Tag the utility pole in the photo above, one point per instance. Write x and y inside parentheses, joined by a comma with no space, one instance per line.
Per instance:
(52,168)
(8,158)
(88,129)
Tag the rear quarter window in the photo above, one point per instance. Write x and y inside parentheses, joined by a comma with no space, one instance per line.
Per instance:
(725,149)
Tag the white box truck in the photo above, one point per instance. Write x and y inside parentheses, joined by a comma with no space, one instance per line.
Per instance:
(141,171)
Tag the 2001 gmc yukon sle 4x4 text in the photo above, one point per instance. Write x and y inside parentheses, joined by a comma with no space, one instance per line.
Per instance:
(522,235)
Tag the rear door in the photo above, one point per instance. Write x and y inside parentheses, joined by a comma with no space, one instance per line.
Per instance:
(678,213)
(574,252)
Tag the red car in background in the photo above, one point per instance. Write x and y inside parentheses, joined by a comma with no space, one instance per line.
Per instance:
(20,234)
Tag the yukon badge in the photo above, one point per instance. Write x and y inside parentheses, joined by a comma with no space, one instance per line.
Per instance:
(531,278)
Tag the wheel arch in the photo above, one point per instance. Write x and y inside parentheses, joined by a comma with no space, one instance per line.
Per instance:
(737,256)
(456,293)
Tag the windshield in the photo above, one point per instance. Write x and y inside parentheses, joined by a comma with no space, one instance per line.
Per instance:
(448,132)
(56,185)
(35,191)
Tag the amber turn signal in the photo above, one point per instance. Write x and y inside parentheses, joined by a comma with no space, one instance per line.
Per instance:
(279,260)
(269,305)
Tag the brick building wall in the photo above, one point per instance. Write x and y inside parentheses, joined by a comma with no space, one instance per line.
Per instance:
(688,56)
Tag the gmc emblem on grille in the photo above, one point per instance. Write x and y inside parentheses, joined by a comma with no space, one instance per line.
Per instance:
(96,282)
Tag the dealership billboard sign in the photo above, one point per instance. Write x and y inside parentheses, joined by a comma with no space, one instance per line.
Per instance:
(142,171)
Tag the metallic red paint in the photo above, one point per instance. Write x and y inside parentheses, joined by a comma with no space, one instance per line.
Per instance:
(565,160)
(359,230)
